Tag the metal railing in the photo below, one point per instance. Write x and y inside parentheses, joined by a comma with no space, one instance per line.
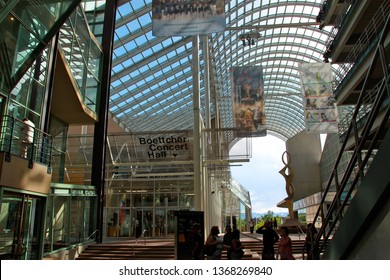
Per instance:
(93,233)
(38,148)
(362,46)
(138,239)
(368,136)
(363,111)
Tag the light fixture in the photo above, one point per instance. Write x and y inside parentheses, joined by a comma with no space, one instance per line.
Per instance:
(249,38)
(243,40)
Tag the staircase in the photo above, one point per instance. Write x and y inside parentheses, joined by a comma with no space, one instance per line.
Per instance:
(256,246)
(164,249)
(130,250)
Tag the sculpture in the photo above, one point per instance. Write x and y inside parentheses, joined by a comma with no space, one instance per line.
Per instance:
(288,175)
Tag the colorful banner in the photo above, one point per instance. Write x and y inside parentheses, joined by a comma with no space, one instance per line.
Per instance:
(187,17)
(318,99)
(248,100)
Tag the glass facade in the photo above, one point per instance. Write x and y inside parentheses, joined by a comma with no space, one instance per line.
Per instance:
(83,54)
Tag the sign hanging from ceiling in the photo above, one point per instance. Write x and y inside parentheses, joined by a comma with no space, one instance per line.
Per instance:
(162,147)
(320,111)
(248,100)
(187,18)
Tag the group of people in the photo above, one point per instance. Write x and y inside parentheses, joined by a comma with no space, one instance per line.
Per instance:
(215,244)
(270,237)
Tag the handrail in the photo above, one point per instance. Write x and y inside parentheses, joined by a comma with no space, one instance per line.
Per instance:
(39,147)
(89,237)
(136,241)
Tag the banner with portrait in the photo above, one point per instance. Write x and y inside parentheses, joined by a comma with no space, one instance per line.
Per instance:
(320,111)
(187,18)
(248,100)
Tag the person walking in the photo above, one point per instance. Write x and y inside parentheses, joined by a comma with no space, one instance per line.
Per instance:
(270,237)
(251,226)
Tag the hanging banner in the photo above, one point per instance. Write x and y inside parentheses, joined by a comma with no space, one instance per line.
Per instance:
(318,99)
(248,100)
(187,18)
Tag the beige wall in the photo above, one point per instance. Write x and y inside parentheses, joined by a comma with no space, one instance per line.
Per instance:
(17,174)
(305,151)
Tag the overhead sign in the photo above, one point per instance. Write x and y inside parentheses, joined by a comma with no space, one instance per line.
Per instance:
(320,111)
(164,147)
(186,18)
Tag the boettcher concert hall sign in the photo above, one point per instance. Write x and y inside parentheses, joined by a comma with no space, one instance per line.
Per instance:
(163,147)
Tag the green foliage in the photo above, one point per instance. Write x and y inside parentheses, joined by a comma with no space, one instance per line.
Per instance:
(269,216)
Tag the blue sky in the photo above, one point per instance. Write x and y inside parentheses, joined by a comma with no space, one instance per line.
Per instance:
(261,175)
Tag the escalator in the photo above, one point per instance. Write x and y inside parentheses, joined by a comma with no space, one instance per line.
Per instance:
(27,27)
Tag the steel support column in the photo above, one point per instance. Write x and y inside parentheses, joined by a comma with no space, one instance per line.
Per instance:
(100,133)
(196,108)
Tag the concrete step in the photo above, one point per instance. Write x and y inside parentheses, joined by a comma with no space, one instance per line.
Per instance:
(107,251)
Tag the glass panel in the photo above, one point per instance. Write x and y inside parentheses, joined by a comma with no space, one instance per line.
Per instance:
(113,222)
(60,218)
(186,200)
(77,219)
(10,213)
(147,222)
(137,223)
(94,60)
(59,130)
(91,90)
(36,96)
(147,199)
(171,223)
(20,222)
(48,242)
(90,217)
(160,223)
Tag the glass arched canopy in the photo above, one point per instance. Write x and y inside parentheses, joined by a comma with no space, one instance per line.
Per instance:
(151,86)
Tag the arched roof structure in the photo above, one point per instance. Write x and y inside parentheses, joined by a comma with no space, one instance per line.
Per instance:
(151,86)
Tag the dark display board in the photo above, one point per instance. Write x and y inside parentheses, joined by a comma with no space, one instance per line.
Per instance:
(186,222)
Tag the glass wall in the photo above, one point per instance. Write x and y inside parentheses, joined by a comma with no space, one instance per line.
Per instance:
(59,130)
(148,207)
(27,27)
(71,216)
(21,224)
(27,96)
(83,54)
